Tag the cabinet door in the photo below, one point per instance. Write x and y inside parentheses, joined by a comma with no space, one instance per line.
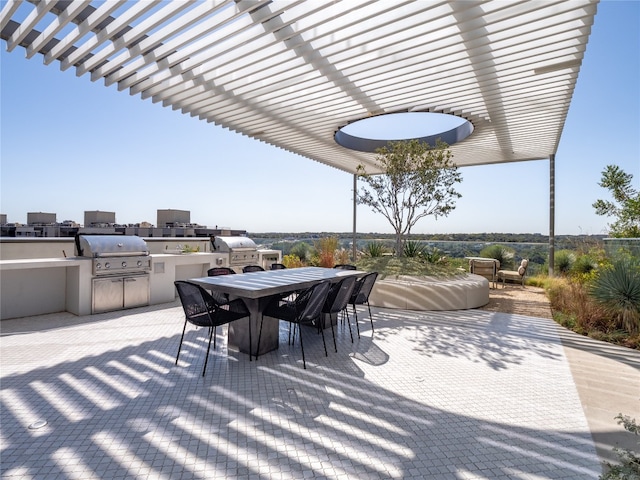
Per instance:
(108,294)
(136,291)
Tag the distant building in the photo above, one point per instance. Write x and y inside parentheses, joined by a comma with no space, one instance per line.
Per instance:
(69,224)
(41,218)
(96,218)
(173,218)
(171,223)
(26,231)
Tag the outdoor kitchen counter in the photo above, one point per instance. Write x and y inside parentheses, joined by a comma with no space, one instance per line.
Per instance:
(22,263)
(169,267)
(56,283)
(64,284)
(257,289)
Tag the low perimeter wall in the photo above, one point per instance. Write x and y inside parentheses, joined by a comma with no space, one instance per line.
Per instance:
(428,293)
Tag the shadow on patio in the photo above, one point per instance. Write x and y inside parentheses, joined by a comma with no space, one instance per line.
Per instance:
(448,394)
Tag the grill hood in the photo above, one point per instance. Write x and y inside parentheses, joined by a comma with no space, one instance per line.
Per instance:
(233,244)
(95,246)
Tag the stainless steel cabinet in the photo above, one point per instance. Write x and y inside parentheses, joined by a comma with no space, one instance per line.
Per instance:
(116,293)
(136,291)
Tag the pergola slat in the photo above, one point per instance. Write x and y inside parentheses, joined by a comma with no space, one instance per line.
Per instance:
(291,73)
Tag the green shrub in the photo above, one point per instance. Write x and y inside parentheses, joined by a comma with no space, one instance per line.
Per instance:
(584,265)
(292,261)
(388,266)
(412,249)
(374,249)
(563,261)
(433,255)
(300,250)
(628,467)
(504,255)
(575,308)
(617,289)
(538,280)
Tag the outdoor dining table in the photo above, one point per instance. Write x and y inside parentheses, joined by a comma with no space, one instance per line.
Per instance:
(257,289)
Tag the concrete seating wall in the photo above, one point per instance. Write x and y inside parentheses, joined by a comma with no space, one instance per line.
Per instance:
(425,293)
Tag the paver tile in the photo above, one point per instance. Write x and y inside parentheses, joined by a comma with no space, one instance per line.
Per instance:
(473,394)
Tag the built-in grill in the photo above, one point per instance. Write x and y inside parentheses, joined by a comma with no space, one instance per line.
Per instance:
(114,254)
(120,266)
(241,250)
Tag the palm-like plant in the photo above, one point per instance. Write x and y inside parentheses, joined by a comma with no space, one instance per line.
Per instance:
(564,260)
(501,253)
(583,265)
(413,249)
(432,255)
(617,288)
(375,249)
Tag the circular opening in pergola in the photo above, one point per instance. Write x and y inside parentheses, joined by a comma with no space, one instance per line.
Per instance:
(369,134)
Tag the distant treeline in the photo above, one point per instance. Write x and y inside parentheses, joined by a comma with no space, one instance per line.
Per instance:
(574,240)
(532,246)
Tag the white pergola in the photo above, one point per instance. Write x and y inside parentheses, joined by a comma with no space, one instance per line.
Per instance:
(292,72)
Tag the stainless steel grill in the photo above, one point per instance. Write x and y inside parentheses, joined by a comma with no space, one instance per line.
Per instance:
(114,254)
(242,250)
(121,266)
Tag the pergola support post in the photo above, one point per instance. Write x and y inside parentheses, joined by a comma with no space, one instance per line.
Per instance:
(552,210)
(355,197)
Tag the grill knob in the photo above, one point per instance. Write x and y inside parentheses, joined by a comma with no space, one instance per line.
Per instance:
(107,265)
(98,266)
(124,264)
(139,264)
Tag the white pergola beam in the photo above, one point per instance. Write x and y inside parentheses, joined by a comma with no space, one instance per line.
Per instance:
(291,73)
(41,9)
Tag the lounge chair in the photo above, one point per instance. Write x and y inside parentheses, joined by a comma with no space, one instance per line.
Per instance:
(485,268)
(514,275)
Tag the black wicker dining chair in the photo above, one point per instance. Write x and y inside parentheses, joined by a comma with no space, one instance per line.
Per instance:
(252,268)
(345,266)
(337,301)
(202,310)
(360,295)
(304,310)
(215,271)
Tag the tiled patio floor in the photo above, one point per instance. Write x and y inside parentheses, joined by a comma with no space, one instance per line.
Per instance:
(461,395)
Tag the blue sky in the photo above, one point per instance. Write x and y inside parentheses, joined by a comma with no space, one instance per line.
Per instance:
(70,145)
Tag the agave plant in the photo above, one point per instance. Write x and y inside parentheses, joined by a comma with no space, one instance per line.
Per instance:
(584,264)
(413,249)
(501,253)
(375,249)
(563,261)
(617,288)
(433,255)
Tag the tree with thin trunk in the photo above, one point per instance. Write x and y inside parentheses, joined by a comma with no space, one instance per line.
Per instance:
(417,180)
(625,207)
